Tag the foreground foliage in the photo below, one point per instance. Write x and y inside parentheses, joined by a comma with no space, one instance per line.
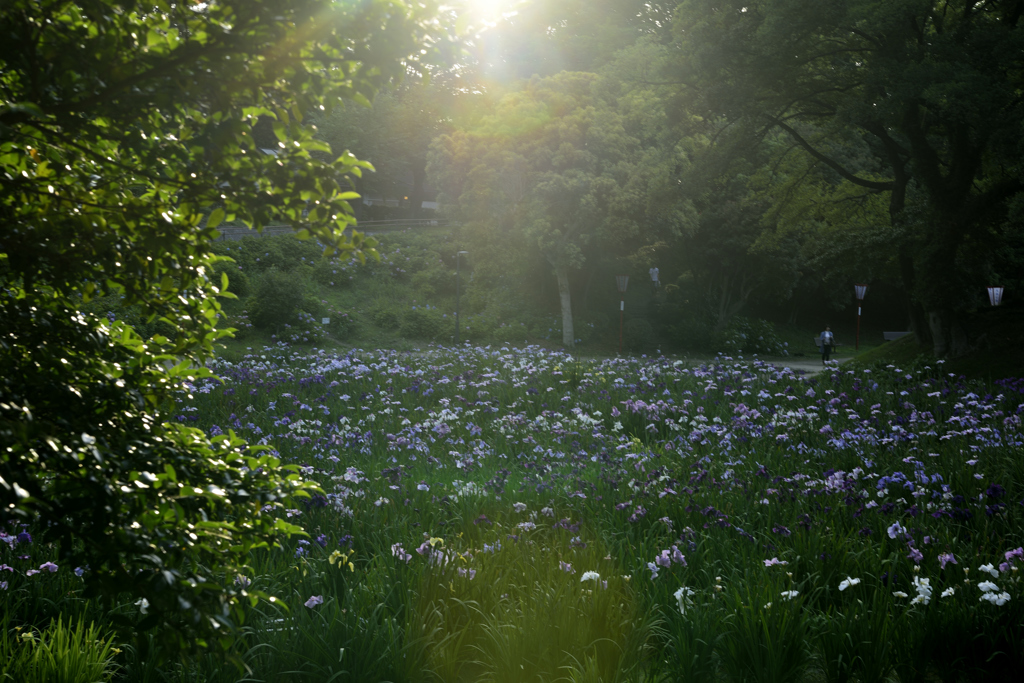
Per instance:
(127,135)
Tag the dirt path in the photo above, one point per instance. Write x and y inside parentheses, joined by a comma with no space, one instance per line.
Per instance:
(811,365)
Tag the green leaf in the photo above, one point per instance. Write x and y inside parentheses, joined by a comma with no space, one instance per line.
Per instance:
(360,99)
(215,218)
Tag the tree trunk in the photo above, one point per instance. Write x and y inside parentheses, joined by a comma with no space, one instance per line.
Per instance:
(919,323)
(939,288)
(949,338)
(724,302)
(729,305)
(568,334)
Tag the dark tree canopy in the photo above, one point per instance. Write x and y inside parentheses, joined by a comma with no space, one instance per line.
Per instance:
(931,89)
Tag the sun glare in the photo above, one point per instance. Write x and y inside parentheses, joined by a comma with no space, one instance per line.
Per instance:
(489,12)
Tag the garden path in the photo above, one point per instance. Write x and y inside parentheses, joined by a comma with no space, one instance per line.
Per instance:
(811,366)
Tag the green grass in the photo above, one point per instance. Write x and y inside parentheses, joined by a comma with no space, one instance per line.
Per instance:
(901,351)
(60,653)
(996,351)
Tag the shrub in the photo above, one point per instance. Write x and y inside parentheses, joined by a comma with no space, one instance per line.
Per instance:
(331,273)
(277,301)
(157,510)
(422,323)
(436,279)
(238,281)
(307,330)
(260,254)
(386,315)
(751,336)
(316,307)
(343,325)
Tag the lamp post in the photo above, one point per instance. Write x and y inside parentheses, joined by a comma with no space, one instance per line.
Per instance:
(621,281)
(995,295)
(458,258)
(859,291)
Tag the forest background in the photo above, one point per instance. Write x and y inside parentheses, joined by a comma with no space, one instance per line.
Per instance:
(765,157)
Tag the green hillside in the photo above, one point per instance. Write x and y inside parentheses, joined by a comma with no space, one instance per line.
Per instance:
(995,335)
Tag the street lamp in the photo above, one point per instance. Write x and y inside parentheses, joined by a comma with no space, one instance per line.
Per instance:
(458,257)
(621,281)
(859,291)
(995,295)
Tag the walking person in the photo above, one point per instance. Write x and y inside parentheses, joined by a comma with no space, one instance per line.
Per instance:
(828,344)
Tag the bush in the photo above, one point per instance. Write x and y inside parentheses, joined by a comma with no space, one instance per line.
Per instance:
(331,273)
(422,323)
(307,330)
(256,255)
(435,279)
(752,336)
(238,281)
(386,315)
(343,325)
(277,301)
(316,307)
(546,327)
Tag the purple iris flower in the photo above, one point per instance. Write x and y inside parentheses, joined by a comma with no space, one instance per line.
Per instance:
(664,559)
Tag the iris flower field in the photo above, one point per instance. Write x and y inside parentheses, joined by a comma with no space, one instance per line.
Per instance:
(501,514)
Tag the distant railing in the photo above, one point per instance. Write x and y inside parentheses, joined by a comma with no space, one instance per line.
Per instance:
(402,223)
(232,232)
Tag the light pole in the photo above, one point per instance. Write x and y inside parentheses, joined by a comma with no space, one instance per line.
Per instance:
(621,281)
(458,257)
(995,295)
(859,291)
